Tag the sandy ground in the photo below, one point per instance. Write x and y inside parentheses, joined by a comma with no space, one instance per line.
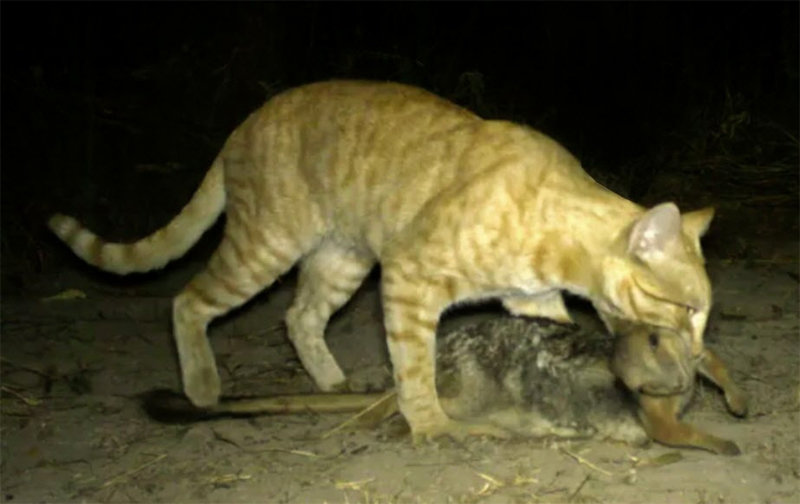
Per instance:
(73,430)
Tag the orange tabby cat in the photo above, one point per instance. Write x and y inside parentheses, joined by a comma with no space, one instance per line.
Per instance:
(340,175)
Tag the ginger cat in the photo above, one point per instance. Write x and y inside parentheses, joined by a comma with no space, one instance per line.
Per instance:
(341,175)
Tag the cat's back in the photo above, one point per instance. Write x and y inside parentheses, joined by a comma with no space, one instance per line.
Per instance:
(366,157)
(341,108)
(397,135)
(355,97)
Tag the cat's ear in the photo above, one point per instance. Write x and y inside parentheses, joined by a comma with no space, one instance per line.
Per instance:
(695,224)
(655,231)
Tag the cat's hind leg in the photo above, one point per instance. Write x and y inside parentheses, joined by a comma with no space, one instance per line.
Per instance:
(246,261)
(329,276)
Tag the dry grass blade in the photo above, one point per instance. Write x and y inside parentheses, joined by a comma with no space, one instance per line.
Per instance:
(227,479)
(27,400)
(661,460)
(585,462)
(574,496)
(492,484)
(25,368)
(373,414)
(121,477)
(353,485)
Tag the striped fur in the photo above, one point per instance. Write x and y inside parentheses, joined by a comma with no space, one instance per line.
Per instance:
(156,250)
(341,175)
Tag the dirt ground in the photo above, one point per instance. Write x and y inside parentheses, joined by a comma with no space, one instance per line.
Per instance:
(73,431)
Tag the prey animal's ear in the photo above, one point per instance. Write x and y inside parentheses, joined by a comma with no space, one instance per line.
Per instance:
(655,231)
(695,224)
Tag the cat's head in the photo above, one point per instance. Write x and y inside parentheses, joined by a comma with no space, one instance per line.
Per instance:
(655,274)
(653,360)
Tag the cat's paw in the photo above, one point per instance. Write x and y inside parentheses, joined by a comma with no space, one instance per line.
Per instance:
(202,386)
(327,375)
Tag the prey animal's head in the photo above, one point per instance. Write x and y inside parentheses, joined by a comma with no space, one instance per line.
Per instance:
(653,360)
(655,274)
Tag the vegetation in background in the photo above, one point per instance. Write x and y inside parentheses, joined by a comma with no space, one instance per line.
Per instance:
(114,112)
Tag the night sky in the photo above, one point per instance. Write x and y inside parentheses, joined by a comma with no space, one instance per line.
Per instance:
(95,93)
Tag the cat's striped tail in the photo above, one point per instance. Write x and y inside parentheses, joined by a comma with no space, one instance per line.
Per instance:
(162,246)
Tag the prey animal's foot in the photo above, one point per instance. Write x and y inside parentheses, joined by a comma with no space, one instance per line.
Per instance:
(712,367)
(458,430)
(736,400)
(725,447)
(718,445)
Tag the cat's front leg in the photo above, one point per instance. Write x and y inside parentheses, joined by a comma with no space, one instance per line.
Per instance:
(548,305)
(411,314)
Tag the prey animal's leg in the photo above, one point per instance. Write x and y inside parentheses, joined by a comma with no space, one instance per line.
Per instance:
(329,276)
(715,370)
(659,415)
(244,263)
(548,305)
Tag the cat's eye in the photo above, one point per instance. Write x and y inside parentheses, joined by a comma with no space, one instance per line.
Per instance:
(652,338)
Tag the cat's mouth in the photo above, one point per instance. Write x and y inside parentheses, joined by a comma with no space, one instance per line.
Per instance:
(692,307)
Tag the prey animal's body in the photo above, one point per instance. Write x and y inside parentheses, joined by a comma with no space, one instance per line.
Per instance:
(533,378)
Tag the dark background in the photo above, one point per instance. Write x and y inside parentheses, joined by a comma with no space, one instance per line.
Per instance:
(113,111)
